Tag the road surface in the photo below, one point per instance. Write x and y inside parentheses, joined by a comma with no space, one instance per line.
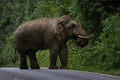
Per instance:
(46,74)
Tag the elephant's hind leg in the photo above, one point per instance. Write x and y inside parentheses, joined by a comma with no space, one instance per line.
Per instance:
(23,62)
(33,60)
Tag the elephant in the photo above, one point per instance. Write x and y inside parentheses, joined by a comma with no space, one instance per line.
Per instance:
(48,33)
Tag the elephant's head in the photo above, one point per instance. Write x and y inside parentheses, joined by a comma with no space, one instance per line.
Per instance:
(67,28)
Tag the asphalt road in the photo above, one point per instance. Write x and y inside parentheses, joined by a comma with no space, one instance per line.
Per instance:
(46,74)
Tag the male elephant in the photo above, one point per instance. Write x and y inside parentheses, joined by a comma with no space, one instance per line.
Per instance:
(47,33)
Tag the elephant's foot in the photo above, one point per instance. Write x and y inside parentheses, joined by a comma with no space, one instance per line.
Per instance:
(23,67)
(53,67)
(35,67)
(62,67)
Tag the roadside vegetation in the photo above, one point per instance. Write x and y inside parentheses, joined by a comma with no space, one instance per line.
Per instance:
(99,17)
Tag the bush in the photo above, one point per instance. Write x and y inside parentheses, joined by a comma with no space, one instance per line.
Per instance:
(8,52)
(110,41)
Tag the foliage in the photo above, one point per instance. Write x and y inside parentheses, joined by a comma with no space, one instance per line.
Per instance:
(93,12)
(7,52)
(110,41)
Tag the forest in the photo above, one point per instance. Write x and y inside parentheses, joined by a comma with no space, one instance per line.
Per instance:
(99,17)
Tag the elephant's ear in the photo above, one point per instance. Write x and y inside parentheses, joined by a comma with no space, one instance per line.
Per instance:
(61,23)
(61,26)
(59,29)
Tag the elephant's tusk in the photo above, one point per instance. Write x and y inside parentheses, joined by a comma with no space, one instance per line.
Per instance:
(85,36)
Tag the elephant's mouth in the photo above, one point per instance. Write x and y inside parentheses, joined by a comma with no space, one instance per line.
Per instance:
(81,42)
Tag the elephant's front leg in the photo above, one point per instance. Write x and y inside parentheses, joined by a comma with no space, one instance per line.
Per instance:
(63,56)
(53,57)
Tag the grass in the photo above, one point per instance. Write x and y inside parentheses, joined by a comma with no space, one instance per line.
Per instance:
(44,60)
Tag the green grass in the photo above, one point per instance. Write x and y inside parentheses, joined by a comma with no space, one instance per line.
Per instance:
(44,61)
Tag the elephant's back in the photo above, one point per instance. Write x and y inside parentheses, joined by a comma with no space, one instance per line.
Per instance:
(35,25)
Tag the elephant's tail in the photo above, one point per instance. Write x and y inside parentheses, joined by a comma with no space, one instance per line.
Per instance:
(14,58)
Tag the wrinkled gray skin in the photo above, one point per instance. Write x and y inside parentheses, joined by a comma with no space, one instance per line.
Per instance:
(47,33)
